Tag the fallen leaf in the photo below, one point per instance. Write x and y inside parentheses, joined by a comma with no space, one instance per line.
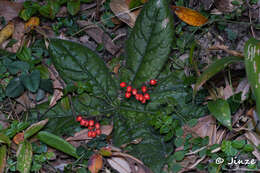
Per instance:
(121,9)
(83,134)
(19,137)
(33,22)
(9,9)
(95,163)
(6,32)
(119,164)
(189,16)
(226,6)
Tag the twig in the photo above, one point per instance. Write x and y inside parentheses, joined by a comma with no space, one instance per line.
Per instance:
(225,48)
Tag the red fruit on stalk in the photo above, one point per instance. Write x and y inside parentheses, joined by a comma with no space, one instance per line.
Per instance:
(79,118)
(97,126)
(122,84)
(137,96)
(153,82)
(134,91)
(141,97)
(86,123)
(128,89)
(144,89)
(144,101)
(82,122)
(90,127)
(98,131)
(94,134)
(147,96)
(89,134)
(127,95)
(91,123)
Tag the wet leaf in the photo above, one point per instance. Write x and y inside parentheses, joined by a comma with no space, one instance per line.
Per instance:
(252,63)
(57,142)
(19,137)
(95,163)
(6,32)
(221,111)
(213,69)
(189,16)
(34,128)
(3,153)
(24,157)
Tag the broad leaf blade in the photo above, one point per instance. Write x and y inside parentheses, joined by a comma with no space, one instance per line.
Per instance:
(73,6)
(3,151)
(15,88)
(57,142)
(32,81)
(150,42)
(34,128)
(24,157)
(4,139)
(252,63)
(213,69)
(76,62)
(221,111)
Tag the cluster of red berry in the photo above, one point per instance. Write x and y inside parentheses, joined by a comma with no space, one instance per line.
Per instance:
(139,96)
(94,128)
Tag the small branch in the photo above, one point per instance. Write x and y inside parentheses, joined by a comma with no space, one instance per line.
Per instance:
(225,48)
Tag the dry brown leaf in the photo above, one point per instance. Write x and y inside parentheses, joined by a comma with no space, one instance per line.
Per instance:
(95,163)
(206,126)
(6,32)
(26,99)
(121,9)
(253,138)
(58,85)
(189,16)
(99,36)
(226,6)
(32,23)
(119,164)
(18,35)
(10,10)
(83,134)
(19,137)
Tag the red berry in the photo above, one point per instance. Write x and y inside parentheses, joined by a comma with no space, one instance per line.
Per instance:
(79,118)
(144,100)
(90,128)
(122,84)
(128,89)
(98,131)
(86,123)
(153,82)
(97,126)
(82,122)
(144,89)
(89,134)
(141,97)
(134,91)
(147,96)
(127,95)
(91,123)
(94,134)
(137,96)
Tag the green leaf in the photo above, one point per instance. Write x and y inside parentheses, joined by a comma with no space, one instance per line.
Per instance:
(179,155)
(57,142)
(73,6)
(248,148)
(252,63)
(14,88)
(26,14)
(221,111)
(227,148)
(238,143)
(18,66)
(34,128)
(31,81)
(150,43)
(77,63)
(50,9)
(24,157)
(24,54)
(46,85)
(3,153)
(4,139)
(213,69)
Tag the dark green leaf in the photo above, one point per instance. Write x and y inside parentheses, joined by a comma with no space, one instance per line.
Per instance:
(179,155)
(238,143)
(50,9)
(40,95)
(24,157)
(150,43)
(213,69)
(221,111)
(76,62)
(25,54)
(46,85)
(252,62)
(34,128)
(26,14)
(18,66)
(15,88)
(227,148)
(31,81)
(73,6)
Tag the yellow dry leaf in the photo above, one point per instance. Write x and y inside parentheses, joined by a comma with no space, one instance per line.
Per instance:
(95,163)
(6,32)
(189,16)
(33,22)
